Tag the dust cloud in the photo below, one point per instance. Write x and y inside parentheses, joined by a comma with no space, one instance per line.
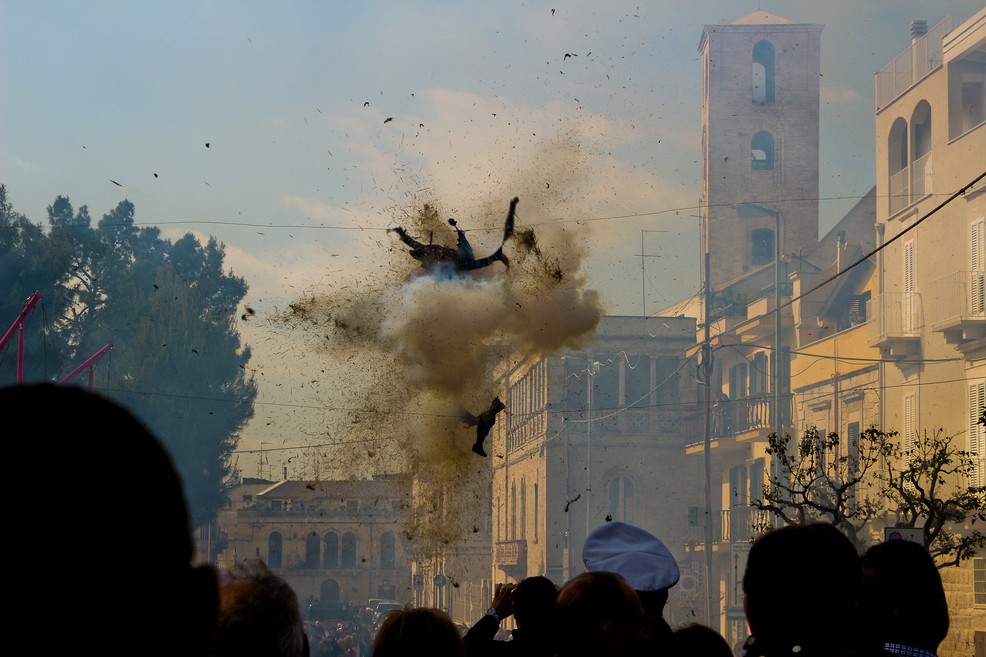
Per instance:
(417,347)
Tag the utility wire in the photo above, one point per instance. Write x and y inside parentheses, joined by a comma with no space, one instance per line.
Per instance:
(893,239)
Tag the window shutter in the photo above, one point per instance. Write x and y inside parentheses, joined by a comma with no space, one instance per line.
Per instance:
(977,261)
(977,432)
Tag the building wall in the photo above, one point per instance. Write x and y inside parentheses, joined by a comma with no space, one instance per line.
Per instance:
(596,452)
(366,510)
(939,352)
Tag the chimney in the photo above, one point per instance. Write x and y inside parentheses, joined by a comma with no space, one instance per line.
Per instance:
(918,29)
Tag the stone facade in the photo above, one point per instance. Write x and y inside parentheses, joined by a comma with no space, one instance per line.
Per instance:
(594,435)
(331,540)
(759,139)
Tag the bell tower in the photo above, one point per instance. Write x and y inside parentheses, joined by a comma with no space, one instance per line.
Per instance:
(760,100)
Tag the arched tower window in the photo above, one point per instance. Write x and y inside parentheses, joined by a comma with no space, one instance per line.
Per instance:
(763,72)
(897,166)
(313,547)
(331,555)
(275,544)
(348,559)
(921,150)
(761,246)
(388,560)
(762,151)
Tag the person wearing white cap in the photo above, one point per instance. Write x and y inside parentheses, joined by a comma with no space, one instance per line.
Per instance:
(643,561)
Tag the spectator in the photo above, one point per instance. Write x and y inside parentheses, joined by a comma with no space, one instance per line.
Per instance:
(902,608)
(124,533)
(531,602)
(258,615)
(596,614)
(646,565)
(420,631)
(697,640)
(801,585)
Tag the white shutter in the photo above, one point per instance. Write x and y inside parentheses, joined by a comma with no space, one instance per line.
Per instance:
(977,262)
(977,432)
(910,421)
(908,323)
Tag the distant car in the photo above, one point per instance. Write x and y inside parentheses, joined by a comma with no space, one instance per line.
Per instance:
(383,608)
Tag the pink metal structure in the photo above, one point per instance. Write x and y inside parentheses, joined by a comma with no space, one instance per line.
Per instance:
(18,326)
(89,363)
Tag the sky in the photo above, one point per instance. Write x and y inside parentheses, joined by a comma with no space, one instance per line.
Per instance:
(298,132)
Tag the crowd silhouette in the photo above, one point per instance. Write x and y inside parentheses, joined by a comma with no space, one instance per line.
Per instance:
(807,592)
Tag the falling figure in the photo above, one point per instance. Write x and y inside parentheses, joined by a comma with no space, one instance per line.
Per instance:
(483,423)
(460,258)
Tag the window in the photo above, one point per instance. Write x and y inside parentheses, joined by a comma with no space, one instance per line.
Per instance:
(852,446)
(758,374)
(666,370)
(897,166)
(979,580)
(921,150)
(909,303)
(967,92)
(977,432)
(537,510)
(821,454)
(388,560)
(523,509)
(513,511)
(274,547)
(737,381)
(909,434)
(763,72)
(762,151)
(330,556)
(621,499)
(761,246)
(313,546)
(348,550)
(637,381)
(977,265)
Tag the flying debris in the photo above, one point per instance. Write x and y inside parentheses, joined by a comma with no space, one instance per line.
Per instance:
(366,104)
(483,423)
(207,144)
(460,258)
(388,119)
(116,183)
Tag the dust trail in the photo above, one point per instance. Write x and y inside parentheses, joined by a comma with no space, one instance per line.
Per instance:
(419,347)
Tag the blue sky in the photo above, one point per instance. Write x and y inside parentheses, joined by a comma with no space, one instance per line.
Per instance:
(303,173)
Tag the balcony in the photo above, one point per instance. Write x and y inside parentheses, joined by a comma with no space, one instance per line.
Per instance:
(511,558)
(511,553)
(924,56)
(899,194)
(959,311)
(735,422)
(895,328)
(743,523)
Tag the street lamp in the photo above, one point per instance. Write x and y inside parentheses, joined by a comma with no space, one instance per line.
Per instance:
(753,211)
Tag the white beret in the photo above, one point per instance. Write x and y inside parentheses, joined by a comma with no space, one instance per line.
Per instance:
(629,551)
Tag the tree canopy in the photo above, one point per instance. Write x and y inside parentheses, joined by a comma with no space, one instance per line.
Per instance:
(873,480)
(167,307)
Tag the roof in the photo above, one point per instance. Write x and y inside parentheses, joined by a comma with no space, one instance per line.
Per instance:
(305,491)
(760,17)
